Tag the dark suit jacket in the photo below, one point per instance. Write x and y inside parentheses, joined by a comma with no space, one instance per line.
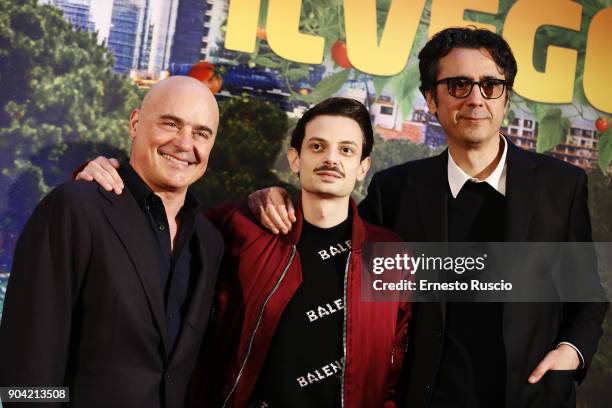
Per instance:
(547,202)
(84,305)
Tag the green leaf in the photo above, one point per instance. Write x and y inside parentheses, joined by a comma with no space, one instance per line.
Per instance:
(266,62)
(538,110)
(262,14)
(405,86)
(552,130)
(298,73)
(326,88)
(604,153)
(579,96)
(379,84)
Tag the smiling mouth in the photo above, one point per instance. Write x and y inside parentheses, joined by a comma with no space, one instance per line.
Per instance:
(173,159)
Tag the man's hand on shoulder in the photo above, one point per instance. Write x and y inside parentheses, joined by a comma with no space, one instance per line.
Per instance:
(274,209)
(104,172)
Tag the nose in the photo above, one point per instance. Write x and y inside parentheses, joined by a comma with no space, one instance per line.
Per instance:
(184,139)
(475,97)
(331,157)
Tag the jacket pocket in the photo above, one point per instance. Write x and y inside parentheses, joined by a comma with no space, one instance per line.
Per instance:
(560,388)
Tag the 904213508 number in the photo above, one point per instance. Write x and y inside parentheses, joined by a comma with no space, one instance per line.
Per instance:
(40,394)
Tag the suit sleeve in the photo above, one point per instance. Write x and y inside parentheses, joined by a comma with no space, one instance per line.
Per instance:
(370,208)
(582,321)
(217,215)
(51,253)
(221,217)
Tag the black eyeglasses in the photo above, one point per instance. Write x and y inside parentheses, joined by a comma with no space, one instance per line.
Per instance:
(460,87)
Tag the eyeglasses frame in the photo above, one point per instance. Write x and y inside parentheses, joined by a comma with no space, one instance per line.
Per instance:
(472,83)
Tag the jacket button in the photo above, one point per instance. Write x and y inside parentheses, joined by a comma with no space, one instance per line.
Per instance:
(428,387)
(168,376)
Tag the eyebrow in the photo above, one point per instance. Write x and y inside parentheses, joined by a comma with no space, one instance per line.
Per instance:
(318,139)
(182,122)
(482,78)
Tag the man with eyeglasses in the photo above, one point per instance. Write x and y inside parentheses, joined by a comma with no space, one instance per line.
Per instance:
(482,188)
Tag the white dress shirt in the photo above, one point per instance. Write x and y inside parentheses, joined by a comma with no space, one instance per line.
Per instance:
(497,179)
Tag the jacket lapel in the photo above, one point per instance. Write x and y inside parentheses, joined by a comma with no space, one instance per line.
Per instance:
(521,193)
(132,229)
(204,288)
(431,196)
(521,196)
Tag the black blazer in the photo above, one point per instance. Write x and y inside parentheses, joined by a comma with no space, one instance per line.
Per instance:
(546,202)
(84,305)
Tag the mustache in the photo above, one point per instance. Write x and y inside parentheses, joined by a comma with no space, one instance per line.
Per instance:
(334,169)
(475,115)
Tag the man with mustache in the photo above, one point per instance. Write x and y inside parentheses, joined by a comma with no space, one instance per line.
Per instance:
(482,188)
(110,294)
(290,328)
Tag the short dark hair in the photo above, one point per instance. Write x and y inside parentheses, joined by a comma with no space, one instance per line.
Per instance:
(443,42)
(336,106)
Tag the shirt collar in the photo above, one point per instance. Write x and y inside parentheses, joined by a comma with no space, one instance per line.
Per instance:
(139,189)
(497,179)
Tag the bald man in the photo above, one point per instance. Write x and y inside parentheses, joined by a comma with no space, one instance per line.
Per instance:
(110,294)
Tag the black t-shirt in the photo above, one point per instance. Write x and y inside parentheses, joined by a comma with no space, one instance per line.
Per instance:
(304,364)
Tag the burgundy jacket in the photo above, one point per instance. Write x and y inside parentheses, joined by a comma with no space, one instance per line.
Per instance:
(259,275)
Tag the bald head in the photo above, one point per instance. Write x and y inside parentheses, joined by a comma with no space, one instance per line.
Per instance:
(173,133)
(182,87)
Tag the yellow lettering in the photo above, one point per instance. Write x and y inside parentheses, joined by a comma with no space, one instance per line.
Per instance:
(388,57)
(449,13)
(284,36)
(242,19)
(597,79)
(556,83)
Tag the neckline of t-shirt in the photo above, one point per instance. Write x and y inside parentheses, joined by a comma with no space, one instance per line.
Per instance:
(338,227)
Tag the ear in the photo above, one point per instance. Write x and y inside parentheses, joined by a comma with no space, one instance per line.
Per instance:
(293,157)
(431,102)
(364,166)
(134,119)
